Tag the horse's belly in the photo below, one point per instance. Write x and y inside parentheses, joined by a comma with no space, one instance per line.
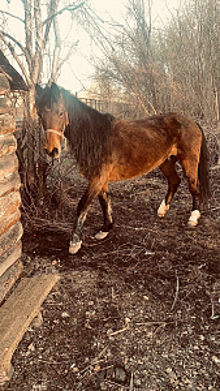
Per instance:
(132,169)
(139,164)
(138,156)
(123,173)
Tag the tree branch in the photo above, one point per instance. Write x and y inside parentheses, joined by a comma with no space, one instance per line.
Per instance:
(57,49)
(23,49)
(28,80)
(11,15)
(67,8)
(39,42)
(66,58)
(28,26)
(51,10)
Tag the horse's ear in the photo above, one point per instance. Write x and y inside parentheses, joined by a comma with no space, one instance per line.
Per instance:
(38,89)
(55,89)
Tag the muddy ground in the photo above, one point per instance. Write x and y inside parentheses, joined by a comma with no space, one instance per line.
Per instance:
(139,310)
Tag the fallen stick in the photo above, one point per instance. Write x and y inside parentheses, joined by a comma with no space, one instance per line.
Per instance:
(155,323)
(118,331)
(95,360)
(176,294)
(131,386)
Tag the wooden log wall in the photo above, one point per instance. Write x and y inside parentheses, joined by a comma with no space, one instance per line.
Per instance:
(10,225)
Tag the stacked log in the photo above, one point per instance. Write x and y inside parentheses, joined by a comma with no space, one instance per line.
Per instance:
(10,225)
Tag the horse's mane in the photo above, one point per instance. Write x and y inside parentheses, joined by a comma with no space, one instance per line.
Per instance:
(88,134)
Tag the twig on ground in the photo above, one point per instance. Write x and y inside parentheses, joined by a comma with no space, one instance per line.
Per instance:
(95,360)
(112,383)
(118,331)
(99,370)
(213,308)
(127,321)
(176,294)
(113,294)
(131,386)
(155,323)
(46,224)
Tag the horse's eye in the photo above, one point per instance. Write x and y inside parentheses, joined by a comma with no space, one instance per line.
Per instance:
(61,114)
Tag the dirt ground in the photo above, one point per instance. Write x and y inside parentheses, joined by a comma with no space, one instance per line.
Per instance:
(137,311)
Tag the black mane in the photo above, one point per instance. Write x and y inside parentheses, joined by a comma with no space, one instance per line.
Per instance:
(88,134)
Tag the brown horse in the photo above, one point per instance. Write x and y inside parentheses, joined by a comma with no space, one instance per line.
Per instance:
(108,149)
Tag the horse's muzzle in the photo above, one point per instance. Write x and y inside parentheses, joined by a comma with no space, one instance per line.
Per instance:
(54,154)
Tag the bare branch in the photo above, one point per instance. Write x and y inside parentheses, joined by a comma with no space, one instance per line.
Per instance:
(28,80)
(65,59)
(57,49)
(11,15)
(39,42)
(23,49)
(67,8)
(28,26)
(51,10)
(38,24)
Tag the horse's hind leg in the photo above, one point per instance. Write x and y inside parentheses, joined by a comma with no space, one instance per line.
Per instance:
(168,169)
(105,203)
(92,191)
(190,169)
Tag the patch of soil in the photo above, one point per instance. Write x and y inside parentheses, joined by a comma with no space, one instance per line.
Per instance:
(139,310)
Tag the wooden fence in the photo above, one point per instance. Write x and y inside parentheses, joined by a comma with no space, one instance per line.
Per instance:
(116,108)
(10,225)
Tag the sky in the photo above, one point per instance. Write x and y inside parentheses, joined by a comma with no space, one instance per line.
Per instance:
(76,75)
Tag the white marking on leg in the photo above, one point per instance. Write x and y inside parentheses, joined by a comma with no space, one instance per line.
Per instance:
(109,212)
(75,247)
(76,243)
(194,218)
(162,210)
(101,235)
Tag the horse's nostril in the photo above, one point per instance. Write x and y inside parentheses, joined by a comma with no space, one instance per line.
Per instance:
(55,152)
(52,153)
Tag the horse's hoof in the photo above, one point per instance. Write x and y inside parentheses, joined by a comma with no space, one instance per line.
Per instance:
(101,235)
(75,247)
(162,210)
(194,219)
(192,224)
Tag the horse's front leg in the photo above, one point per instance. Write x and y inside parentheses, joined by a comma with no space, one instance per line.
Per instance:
(82,210)
(105,203)
(76,242)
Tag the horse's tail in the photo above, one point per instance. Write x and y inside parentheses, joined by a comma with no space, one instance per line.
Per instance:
(203,171)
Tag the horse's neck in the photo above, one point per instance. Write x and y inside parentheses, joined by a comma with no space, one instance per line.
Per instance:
(88,136)
(81,115)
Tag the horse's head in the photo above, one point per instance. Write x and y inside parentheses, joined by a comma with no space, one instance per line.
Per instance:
(51,109)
